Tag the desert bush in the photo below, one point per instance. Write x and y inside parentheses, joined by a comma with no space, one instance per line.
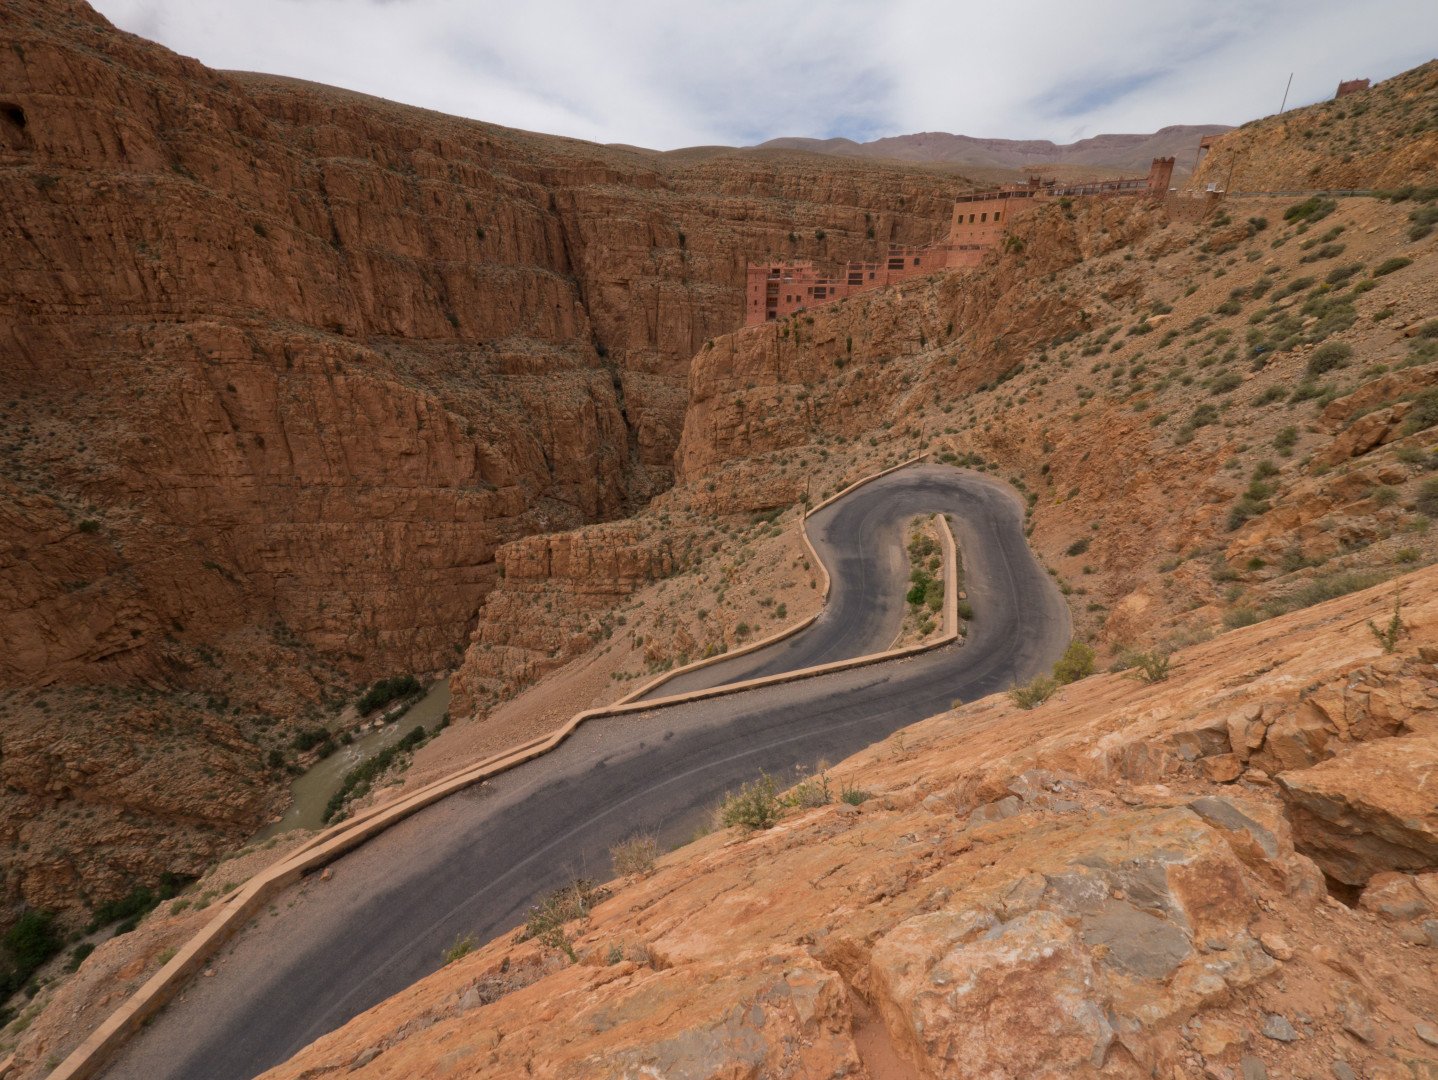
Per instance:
(1329,356)
(1427,500)
(756,806)
(1339,274)
(1225,383)
(462,946)
(1076,663)
(852,795)
(1150,667)
(1388,266)
(1079,546)
(1314,208)
(1241,616)
(547,919)
(1424,413)
(27,945)
(809,793)
(1393,629)
(1033,693)
(634,857)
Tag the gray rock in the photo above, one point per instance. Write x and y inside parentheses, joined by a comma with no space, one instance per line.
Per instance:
(1278,1028)
(1224,815)
(1006,807)
(470,999)
(1343,1071)
(1252,1068)
(368,1054)
(1427,1032)
(1137,943)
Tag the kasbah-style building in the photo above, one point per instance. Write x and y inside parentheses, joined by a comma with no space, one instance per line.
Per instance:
(776,290)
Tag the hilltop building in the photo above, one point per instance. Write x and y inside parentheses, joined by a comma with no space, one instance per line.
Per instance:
(1351,86)
(776,290)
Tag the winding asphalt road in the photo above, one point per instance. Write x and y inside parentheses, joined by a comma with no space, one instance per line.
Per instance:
(472,863)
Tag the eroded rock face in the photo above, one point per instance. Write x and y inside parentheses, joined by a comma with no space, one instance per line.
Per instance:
(287,365)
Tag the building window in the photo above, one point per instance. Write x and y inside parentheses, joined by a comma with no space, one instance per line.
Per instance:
(998,214)
(983,217)
(916,260)
(971,219)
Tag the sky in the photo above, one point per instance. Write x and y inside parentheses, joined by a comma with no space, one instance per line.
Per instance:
(672,73)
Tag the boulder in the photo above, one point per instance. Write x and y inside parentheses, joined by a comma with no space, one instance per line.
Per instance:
(1370,811)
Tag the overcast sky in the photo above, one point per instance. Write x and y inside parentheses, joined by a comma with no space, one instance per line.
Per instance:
(670,73)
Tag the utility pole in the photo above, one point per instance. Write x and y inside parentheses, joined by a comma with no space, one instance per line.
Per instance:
(1285,94)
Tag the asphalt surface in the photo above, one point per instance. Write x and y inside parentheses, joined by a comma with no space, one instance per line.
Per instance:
(473,863)
(861,541)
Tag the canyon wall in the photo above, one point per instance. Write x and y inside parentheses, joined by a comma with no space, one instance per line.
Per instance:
(285,366)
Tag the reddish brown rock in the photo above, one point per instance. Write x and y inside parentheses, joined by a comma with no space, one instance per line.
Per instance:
(1370,811)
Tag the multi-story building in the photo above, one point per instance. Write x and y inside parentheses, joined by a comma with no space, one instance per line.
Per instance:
(776,290)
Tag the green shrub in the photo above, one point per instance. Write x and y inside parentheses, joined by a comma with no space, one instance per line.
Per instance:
(1387,266)
(1034,693)
(27,945)
(1314,208)
(1327,357)
(1427,500)
(461,947)
(78,954)
(1424,413)
(1339,274)
(1225,383)
(756,806)
(1151,667)
(1240,617)
(387,690)
(308,738)
(853,796)
(1076,663)
(1079,546)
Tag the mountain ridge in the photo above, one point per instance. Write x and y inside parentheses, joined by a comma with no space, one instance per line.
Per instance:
(1125,152)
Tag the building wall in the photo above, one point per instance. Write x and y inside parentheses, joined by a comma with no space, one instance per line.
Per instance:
(1351,86)
(977,225)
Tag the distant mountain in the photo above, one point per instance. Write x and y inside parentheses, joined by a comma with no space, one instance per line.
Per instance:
(1129,154)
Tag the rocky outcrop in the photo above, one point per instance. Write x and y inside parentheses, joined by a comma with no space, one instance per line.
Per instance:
(1371,812)
(1063,892)
(1371,139)
(287,365)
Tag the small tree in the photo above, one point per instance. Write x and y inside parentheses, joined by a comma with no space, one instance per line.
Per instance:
(1390,633)
(1076,663)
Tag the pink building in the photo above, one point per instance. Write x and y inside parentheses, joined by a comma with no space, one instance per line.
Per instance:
(776,290)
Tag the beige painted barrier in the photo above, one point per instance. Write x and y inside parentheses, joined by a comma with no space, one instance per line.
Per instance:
(95,1052)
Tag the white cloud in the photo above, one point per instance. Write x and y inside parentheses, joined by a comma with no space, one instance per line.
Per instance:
(665,74)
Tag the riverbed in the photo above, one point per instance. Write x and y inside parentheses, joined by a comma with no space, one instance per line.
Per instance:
(311,792)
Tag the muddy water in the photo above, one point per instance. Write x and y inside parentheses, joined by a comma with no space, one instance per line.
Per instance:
(311,792)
